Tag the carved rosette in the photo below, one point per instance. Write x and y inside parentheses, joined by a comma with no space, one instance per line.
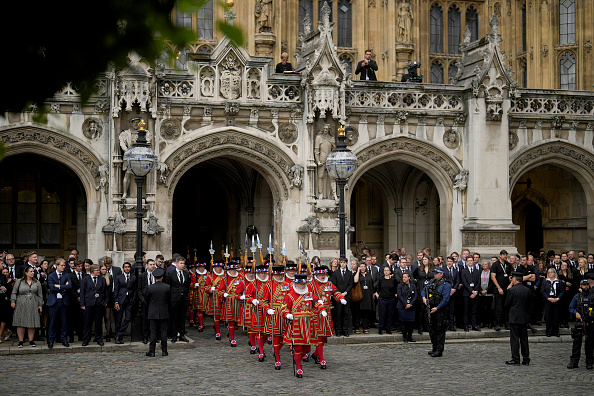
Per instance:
(171,129)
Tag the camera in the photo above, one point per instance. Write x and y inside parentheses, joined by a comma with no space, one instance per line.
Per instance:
(412,72)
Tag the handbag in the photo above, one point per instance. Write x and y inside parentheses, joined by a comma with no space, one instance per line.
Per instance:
(356,293)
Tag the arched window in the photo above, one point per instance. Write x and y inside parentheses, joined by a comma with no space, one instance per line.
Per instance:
(345,23)
(566,22)
(454,27)
(436,29)
(347,60)
(305,8)
(320,5)
(436,73)
(473,23)
(568,73)
(204,21)
(183,19)
(453,70)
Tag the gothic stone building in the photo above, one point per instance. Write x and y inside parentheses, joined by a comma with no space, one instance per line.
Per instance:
(480,162)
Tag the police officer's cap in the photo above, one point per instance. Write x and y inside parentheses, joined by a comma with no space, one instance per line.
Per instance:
(158,273)
(590,275)
(584,281)
(438,270)
(518,274)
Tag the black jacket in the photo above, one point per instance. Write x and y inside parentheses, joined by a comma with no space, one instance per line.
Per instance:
(470,282)
(367,70)
(88,292)
(124,293)
(518,303)
(157,296)
(179,291)
(343,283)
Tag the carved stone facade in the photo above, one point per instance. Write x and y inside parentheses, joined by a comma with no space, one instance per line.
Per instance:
(241,144)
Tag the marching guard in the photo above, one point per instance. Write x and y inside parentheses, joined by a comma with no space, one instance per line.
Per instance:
(300,309)
(248,314)
(273,297)
(202,278)
(323,291)
(227,289)
(215,306)
(193,308)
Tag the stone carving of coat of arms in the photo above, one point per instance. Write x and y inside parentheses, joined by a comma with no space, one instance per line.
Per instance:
(230,77)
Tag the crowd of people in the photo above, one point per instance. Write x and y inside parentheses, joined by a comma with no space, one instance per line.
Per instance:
(53,300)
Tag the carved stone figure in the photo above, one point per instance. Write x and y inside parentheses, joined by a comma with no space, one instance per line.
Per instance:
(296,176)
(451,139)
(264,16)
(230,77)
(103,178)
(461,180)
(162,172)
(405,19)
(151,225)
(287,133)
(92,128)
(324,144)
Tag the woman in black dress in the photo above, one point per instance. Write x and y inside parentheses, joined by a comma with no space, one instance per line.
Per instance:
(6,284)
(566,276)
(407,296)
(108,308)
(385,292)
(424,276)
(552,292)
(366,304)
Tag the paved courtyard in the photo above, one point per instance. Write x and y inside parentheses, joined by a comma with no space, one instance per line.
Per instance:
(214,368)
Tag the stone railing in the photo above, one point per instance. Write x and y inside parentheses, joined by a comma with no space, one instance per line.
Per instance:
(539,102)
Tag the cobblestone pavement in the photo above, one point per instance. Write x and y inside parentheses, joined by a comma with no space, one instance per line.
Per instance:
(214,368)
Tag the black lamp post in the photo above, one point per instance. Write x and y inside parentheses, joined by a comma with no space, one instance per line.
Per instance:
(140,159)
(341,164)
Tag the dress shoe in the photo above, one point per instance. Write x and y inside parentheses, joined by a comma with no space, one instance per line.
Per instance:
(145,340)
(323,366)
(107,339)
(430,352)
(71,339)
(100,343)
(150,354)
(119,341)
(466,329)
(50,345)
(174,339)
(200,329)
(437,354)
(572,366)
(380,331)
(525,362)
(410,339)
(513,362)
(85,343)
(66,344)
(589,366)
(475,328)
(184,339)
(252,351)
(315,358)
(346,334)
(277,365)
(420,331)
(299,373)
(164,353)
(497,328)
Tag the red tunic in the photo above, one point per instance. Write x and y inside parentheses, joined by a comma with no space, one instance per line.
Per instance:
(254,291)
(325,292)
(244,318)
(203,294)
(304,308)
(194,299)
(273,297)
(231,307)
(215,306)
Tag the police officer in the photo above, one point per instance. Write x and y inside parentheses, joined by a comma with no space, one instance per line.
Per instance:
(517,302)
(158,297)
(436,296)
(581,305)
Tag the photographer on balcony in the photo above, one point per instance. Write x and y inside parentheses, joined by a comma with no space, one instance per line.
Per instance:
(367,67)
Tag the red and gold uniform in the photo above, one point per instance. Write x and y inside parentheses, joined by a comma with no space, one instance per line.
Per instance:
(247,314)
(323,291)
(227,290)
(199,280)
(215,305)
(301,308)
(253,297)
(273,296)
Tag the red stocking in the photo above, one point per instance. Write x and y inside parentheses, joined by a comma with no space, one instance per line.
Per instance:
(201,318)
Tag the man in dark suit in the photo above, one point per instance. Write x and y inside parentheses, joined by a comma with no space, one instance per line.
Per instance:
(31,261)
(500,272)
(75,312)
(93,300)
(518,301)
(452,275)
(124,296)
(343,280)
(179,280)
(157,297)
(471,286)
(145,279)
(367,67)
(58,301)
(113,271)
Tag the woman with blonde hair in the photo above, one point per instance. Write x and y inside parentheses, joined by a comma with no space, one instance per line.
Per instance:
(107,317)
(552,292)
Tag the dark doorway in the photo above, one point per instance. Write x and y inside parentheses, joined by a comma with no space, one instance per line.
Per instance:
(533,227)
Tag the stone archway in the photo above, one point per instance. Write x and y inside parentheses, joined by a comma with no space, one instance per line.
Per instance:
(430,160)
(572,163)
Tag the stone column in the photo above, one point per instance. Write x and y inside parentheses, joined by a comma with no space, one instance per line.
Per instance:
(265,44)
(403,58)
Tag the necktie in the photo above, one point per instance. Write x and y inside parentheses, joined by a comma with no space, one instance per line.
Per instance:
(152,280)
(181,277)
(342,272)
(59,277)
(127,279)
(95,280)
(78,276)
(11,274)
(470,270)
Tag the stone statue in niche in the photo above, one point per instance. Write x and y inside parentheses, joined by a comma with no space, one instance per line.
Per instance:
(324,144)
(461,180)
(127,139)
(405,19)
(264,16)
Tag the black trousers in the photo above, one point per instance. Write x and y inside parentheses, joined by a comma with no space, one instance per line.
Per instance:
(386,312)
(437,329)
(76,320)
(470,310)
(160,326)
(342,318)
(501,313)
(552,318)
(146,328)
(518,337)
(178,310)
(122,319)
(485,309)
(452,310)
(577,345)
(94,313)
